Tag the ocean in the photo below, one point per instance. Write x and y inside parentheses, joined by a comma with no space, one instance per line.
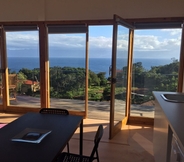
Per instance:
(95,64)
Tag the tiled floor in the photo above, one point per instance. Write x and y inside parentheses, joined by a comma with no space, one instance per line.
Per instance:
(131,144)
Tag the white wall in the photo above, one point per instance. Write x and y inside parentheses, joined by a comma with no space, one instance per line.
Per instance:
(36,10)
(22,10)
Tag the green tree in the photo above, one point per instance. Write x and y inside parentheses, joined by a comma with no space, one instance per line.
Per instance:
(21,77)
(103,80)
(93,79)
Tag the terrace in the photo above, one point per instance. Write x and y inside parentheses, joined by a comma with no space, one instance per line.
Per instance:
(96,109)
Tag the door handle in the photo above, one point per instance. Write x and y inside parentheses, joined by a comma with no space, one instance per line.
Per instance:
(114,80)
(2,70)
(110,70)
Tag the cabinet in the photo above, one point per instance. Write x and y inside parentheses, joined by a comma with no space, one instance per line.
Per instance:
(160,136)
(177,151)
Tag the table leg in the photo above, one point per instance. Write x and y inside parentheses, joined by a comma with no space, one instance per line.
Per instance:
(81,138)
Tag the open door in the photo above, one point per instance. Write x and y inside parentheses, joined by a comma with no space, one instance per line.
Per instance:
(120,77)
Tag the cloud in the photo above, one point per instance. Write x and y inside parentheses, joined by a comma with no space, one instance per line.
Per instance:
(172,31)
(100,42)
(99,46)
(155,43)
(67,41)
(122,42)
(22,41)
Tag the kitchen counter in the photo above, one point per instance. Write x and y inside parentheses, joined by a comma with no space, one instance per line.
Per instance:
(169,118)
(174,113)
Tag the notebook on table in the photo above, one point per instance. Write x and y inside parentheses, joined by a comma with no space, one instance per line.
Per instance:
(31,135)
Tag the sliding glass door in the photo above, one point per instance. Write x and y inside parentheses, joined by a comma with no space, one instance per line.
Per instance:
(21,68)
(68,66)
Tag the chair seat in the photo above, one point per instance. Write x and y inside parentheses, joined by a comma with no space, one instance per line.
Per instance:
(65,157)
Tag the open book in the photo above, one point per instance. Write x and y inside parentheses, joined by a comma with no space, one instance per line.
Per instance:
(31,135)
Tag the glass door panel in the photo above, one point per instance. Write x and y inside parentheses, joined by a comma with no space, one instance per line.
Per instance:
(121,53)
(23,68)
(155,67)
(100,53)
(67,58)
(121,74)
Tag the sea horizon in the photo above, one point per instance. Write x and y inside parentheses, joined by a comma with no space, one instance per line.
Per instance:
(95,64)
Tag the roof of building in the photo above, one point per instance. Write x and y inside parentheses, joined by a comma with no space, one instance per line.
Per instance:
(30,82)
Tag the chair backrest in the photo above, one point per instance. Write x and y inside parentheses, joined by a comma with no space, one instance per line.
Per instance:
(12,79)
(97,139)
(54,111)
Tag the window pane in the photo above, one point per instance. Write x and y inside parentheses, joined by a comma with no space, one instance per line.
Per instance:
(155,67)
(23,66)
(67,71)
(100,53)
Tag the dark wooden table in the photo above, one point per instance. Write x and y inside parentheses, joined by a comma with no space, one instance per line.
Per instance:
(63,127)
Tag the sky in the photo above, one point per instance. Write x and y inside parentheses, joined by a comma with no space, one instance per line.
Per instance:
(159,43)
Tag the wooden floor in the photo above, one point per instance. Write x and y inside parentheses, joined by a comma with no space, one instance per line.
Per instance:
(131,144)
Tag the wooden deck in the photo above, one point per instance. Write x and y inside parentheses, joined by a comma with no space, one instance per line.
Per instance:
(96,109)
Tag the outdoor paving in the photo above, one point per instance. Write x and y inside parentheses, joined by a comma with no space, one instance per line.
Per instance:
(96,109)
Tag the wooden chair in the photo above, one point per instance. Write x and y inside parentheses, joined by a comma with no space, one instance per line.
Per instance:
(55,111)
(69,157)
(12,83)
